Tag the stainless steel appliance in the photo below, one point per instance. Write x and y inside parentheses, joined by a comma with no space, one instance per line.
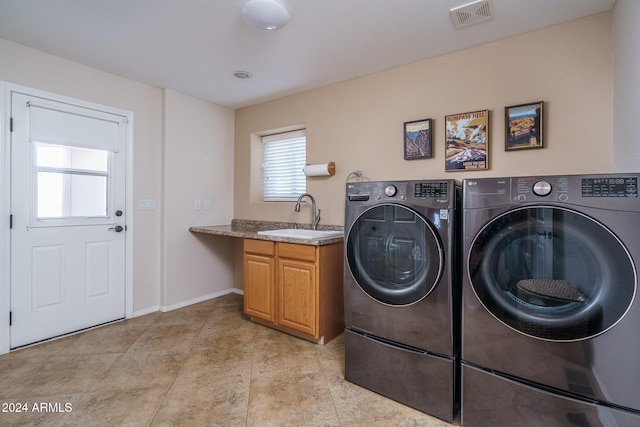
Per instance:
(550,313)
(402,292)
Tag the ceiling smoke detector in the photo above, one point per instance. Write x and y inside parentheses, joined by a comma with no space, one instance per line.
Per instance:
(472,13)
(241,74)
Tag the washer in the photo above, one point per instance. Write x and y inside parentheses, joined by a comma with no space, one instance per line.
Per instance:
(550,310)
(402,292)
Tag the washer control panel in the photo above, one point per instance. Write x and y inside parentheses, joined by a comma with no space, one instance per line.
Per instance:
(528,189)
(559,187)
(542,188)
(390,190)
(610,187)
(620,191)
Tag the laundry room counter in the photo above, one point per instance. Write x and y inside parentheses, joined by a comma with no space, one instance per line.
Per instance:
(248,229)
(304,273)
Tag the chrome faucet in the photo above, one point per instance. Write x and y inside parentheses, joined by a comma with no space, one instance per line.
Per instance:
(315,219)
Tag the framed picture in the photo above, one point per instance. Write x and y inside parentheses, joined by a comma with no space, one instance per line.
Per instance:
(523,126)
(417,140)
(467,141)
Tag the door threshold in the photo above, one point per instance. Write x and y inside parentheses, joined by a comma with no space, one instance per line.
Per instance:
(68,334)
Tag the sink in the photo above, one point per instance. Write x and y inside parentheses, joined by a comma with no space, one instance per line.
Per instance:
(300,233)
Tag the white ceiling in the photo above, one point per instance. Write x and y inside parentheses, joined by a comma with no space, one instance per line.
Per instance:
(194,46)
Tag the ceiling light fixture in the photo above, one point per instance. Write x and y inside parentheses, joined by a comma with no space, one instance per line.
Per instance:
(265,14)
(242,74)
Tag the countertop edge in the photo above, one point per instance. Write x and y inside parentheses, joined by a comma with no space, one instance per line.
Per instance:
(249,230)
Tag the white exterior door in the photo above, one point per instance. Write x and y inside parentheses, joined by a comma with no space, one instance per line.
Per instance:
(68,226)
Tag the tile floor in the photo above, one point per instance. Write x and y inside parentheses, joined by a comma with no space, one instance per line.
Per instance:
(203,365)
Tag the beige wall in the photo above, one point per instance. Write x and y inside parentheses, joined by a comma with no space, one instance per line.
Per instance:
(197,165)
(358,123)
(182,151)
(626,108)
(38,70)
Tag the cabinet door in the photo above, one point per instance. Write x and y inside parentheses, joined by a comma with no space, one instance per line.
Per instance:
(259,287)
(298,296)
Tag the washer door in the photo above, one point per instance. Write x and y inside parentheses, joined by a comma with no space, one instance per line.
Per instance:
(552,273)
(394,254)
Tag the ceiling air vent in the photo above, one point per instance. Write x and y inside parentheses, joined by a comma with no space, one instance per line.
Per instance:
(472,13)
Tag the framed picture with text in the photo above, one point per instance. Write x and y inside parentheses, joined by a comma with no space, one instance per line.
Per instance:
(467,141)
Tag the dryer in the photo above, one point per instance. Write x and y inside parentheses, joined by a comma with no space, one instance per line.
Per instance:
(402,292)
(550,310)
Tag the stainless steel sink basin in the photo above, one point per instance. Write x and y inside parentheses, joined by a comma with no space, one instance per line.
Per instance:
(300,233)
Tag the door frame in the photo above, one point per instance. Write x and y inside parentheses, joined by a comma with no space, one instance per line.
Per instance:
(6,89)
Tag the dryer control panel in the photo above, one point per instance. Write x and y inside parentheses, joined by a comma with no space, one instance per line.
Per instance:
(430,189)
(441,194)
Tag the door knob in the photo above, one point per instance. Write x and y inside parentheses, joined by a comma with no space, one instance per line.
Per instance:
(117,228)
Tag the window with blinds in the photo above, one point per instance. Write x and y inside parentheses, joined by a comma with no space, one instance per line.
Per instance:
(285,155)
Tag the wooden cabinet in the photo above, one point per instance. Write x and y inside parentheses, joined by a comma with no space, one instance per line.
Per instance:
(259,279)
(297,305)
(306,282)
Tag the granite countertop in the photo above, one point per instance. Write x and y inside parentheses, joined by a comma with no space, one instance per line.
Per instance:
(248,229)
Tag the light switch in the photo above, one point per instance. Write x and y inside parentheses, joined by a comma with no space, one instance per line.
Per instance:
(147,204)
(196,205)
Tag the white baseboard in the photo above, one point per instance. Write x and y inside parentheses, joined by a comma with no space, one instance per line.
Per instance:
(182,304)
(146,311)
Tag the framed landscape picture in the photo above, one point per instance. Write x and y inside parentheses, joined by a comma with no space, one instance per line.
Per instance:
(417,139)
(523,126)
(467,141)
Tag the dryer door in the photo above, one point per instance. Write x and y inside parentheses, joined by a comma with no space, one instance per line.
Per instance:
(394,254)
(552,273)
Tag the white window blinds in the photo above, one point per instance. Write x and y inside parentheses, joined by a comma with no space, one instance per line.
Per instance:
(285,155)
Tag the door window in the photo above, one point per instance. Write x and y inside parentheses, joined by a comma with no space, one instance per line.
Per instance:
(72,182)
(394,255)
(552,273)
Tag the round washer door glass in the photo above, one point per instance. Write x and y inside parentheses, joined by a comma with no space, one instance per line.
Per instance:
(552,273)
(394,254)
